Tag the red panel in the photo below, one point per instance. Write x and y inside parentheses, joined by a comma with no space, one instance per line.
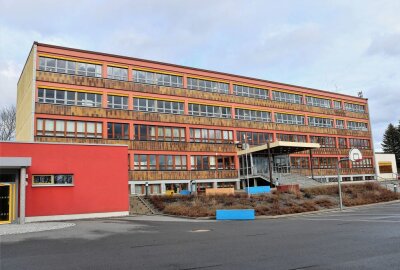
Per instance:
(100,177)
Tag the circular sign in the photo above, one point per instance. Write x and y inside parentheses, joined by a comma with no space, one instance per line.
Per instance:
(355,154)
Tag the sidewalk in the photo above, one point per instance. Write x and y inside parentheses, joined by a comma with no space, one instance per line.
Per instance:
(8,229)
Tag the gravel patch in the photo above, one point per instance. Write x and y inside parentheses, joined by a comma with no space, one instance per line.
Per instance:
(8,229)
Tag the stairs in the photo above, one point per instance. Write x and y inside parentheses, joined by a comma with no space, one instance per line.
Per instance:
(138,205)
(290,178)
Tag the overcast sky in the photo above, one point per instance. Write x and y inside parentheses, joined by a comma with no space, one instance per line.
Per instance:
(340,46)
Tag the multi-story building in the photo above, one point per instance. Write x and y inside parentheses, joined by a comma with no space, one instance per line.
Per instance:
(184,124)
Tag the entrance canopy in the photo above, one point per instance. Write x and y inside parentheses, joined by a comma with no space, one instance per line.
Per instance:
(280,148)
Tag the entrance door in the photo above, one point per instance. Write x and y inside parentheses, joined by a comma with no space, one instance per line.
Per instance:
(5,203)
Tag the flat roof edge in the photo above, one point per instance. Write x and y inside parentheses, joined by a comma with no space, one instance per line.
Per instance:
(64,143)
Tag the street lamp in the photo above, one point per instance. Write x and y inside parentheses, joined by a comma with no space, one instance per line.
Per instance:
(246,145)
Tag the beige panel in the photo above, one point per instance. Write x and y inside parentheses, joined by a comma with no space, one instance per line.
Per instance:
(25,99)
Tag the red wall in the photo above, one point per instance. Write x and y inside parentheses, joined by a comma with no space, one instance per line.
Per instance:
(100,177)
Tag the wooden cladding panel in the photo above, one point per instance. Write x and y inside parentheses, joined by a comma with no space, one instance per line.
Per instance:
(150,145)
(185,119)
(336,152)
(333,172)
(181,175)
(144,88)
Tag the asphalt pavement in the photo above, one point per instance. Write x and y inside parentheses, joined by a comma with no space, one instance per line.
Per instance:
(357,238)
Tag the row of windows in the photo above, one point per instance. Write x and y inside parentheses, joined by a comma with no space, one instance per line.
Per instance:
(151,105)
(148,77)
(118,131)
(69,67)
(62,128)
(146,162)
(211,135)
(254,138)
(209,111)
(291,137)
(327,163)
(325,142)
(159,133)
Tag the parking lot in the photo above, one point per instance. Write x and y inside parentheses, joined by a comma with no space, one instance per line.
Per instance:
(357,238)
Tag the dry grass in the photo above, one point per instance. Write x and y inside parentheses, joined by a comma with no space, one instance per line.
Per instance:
(275,203)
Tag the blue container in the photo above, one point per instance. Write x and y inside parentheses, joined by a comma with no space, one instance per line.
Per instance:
(235,214)
(258,190)
(184,192)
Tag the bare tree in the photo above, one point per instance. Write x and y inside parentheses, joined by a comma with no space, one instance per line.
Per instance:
(7,123)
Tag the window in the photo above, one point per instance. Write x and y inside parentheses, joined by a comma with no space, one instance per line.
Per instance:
(52,180)
(325,163)
(291,137)
(342,142)
(357,126)
(339,124)
(209,111)
(69,97)
(161,106)
(299,162)
(117,102)
(325,142)
(159,133)
(62,128)
(252,115)
(318,102)
(337,104)
(160,162)
(287,97)
(247,91)
(118,131)
(211,135)
(208,86)
(140,76)
(359,143)
(290,119)
(69,67)
(364,163)
(254,138)
(385,167)
(320,122)
(354,107)
(204,163)
(117,73)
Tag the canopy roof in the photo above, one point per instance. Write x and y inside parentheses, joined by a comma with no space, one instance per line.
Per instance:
(280,148)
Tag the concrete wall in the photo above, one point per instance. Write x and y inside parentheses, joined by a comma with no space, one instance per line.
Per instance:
(386,159)
(26,99)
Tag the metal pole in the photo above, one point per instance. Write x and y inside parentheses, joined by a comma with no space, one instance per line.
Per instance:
(269,162)
(339,184)
(311,165)
(247,167)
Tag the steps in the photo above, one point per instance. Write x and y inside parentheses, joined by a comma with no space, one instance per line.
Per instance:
(138,205)
(291,178)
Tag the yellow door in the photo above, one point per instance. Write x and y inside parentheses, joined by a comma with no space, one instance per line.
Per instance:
(7,192)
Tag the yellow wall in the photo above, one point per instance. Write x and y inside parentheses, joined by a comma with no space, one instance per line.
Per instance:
(25,99)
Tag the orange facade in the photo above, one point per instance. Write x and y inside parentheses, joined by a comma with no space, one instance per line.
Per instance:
(182,123)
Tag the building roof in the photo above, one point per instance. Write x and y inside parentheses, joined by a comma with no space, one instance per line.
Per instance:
(280,148)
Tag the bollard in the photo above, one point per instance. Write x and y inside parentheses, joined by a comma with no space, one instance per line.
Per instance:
(395,188)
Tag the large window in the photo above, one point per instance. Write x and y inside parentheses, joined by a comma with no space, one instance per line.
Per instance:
(324,163)
(205,163)
(69,67)
(53,180)
(299,162)
(339,124)
(287,97)
(342,142)
(325,142)
(159,133)
(290,119)
(364,163)
(337,104)
(254,138)
(245,114)
(118,131)
(159,162)
(69,97)
(354,107)
(117,73)
(359,143)
(318,102)
(357,126)
(161,106)
(204,135)
(247,91)
(63,128)
(117,102)
(320,122)
(157,78)
(208,86)
(291,137)
(209,111)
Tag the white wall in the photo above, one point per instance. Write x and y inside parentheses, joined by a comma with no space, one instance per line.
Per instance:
(380,157)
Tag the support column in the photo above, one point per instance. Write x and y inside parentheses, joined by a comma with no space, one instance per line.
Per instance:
(22,195)
(215,184)
(237,185)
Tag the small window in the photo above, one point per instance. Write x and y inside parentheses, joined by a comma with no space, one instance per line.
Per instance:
(53,180)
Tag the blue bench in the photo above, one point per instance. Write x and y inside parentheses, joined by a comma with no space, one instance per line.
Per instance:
(235,214)
(258,190)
